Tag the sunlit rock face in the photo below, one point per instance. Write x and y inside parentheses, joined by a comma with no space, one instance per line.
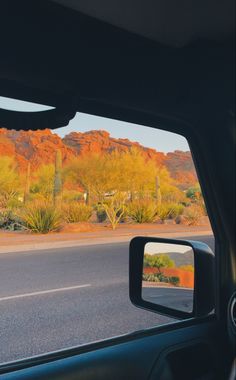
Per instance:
(38,147)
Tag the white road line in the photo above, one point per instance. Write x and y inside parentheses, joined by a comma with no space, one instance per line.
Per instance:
(43,292)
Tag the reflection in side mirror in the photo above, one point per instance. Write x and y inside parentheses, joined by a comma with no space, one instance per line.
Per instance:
(172,277)
(168,275)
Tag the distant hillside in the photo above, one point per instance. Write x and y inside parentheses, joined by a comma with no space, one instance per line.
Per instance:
(39,148)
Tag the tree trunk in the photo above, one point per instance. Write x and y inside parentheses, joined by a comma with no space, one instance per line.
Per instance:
(158,191)
(27,183)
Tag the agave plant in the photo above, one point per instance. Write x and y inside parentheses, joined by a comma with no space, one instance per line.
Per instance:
(142,211)
(40,217)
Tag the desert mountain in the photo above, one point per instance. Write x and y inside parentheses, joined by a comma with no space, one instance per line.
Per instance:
(39,148)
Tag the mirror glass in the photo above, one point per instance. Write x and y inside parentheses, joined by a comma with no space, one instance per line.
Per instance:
(168,275)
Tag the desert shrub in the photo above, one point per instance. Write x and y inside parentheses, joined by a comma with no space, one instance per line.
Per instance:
(15,203)
(72,196)
(9,221)
(194,193)
(172,194)
(101,214)
(175,210)
(150,277)
(160,277)
(169,211)
(75,212)
(164,211)
(142,211)
(115,209)
(174,280)
(40,217)
(192,214)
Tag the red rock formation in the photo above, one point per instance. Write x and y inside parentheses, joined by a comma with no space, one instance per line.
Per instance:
(181,167)
(39,148)
(101,142)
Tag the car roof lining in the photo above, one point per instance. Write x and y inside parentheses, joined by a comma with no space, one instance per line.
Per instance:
(103,69)
(166,21)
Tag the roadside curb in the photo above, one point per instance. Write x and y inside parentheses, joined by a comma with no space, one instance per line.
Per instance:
(97,241)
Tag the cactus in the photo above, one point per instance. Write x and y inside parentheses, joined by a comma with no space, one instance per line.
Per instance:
(158,191)
(27,183)
(57,188)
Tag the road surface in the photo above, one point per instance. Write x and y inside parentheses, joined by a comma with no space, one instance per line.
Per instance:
(59,298)
(176,298)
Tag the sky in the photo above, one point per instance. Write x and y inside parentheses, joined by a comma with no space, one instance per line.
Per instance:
(149,137)
(155,248)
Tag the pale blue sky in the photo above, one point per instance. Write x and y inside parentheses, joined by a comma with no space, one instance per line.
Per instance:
(153,138)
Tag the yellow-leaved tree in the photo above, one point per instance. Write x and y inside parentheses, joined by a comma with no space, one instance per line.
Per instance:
(9,181)
(43,182)
(93,174)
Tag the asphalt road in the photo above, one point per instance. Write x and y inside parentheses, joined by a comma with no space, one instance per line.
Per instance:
(176,298)
(59,298)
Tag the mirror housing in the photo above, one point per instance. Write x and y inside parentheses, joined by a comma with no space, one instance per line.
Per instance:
(204,278)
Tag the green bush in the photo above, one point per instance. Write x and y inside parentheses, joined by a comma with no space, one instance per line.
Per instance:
(41,218)
(9,221)
(163,278)
(101,215)
(158,261)
(142,212)
(194,193)
(75,212)
(160,277)
(174,280)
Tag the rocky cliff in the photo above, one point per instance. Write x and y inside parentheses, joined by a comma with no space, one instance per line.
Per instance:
(39,148)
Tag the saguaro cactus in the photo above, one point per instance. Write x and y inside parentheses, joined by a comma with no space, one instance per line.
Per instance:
(27,183)
(158,191)
(57,188)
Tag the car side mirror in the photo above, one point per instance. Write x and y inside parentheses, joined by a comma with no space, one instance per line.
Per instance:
(172,277)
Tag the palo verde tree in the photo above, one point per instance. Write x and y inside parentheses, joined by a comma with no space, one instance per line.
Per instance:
(94,174)
(137,173)
(43,184)
(158,261)
(115,209)
(9,180)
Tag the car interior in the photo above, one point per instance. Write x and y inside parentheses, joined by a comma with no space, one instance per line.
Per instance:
(163,64)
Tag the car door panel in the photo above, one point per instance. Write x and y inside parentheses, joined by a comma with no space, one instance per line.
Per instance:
(190,351)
